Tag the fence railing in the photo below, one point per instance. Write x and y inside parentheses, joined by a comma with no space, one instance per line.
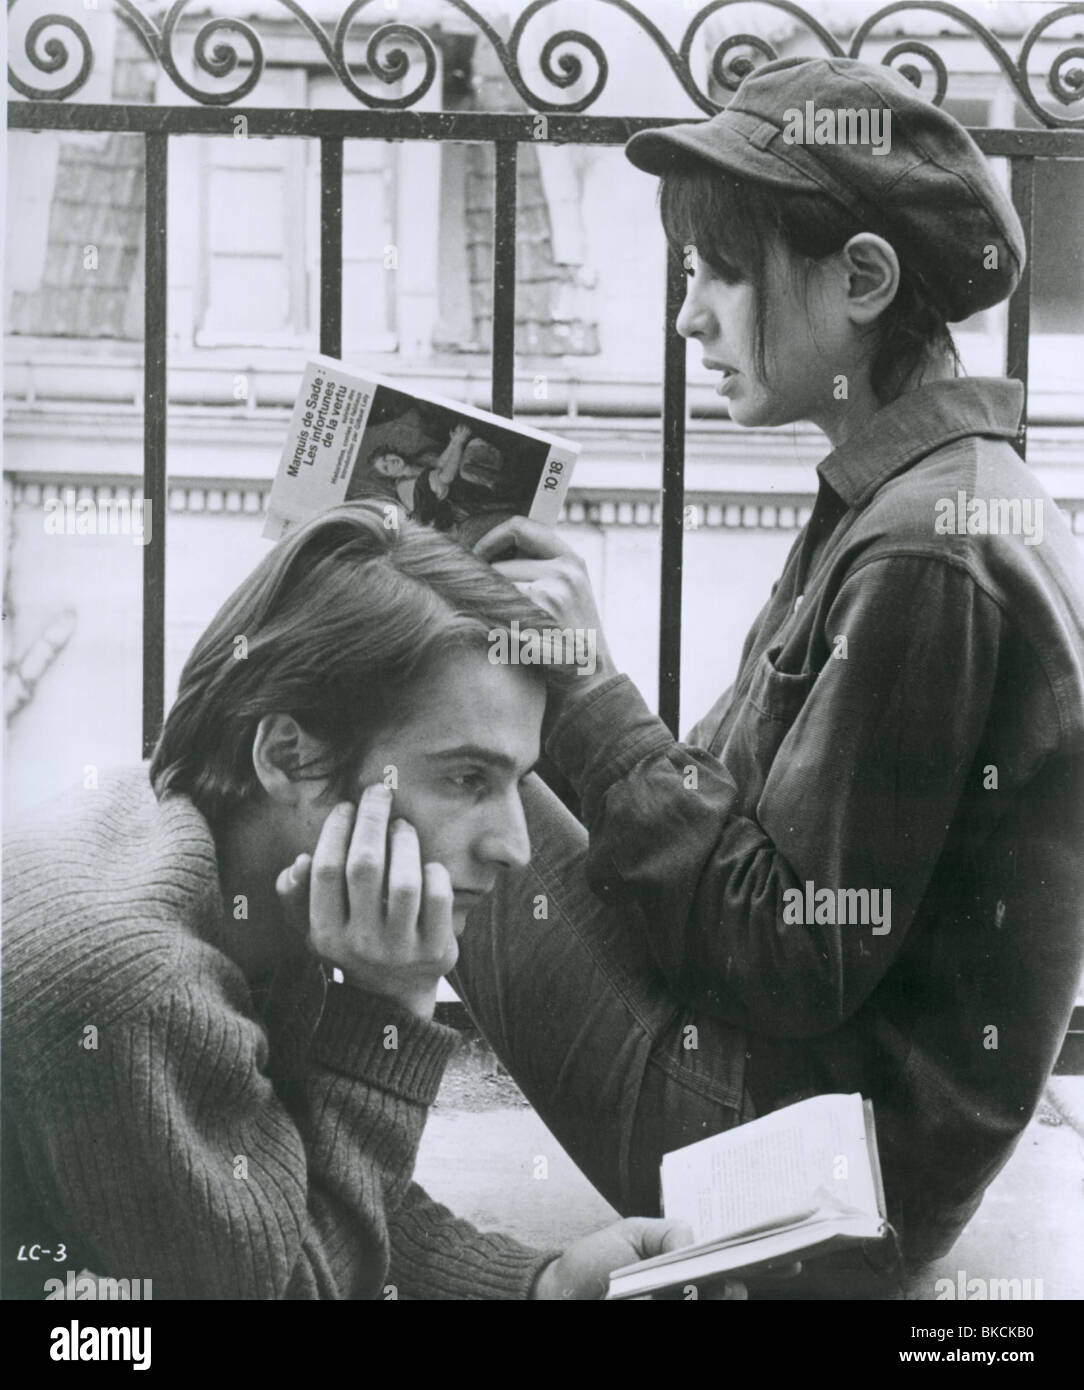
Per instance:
(54,44)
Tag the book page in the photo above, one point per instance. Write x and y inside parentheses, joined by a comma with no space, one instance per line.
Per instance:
(808,1160)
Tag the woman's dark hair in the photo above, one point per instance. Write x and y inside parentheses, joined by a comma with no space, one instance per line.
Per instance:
(336,626)
(732,222)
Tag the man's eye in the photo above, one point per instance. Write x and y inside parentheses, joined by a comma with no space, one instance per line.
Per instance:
(470,781)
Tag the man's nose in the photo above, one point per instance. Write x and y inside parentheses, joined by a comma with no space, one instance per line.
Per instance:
(505,840)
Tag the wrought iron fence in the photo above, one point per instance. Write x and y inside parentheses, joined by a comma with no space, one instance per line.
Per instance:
(398,52)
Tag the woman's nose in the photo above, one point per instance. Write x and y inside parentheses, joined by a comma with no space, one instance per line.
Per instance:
(691,317)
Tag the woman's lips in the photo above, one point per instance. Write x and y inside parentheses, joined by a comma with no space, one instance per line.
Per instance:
(726,382)
(726,374)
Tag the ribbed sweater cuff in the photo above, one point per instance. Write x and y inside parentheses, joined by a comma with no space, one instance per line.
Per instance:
(377,1041)
(484,1266)
(508,1275)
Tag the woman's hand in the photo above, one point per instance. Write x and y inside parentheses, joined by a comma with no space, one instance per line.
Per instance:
(583,1271)
(370,907)
(552,575)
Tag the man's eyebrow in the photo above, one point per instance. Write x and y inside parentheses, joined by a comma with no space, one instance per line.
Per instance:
(490,756)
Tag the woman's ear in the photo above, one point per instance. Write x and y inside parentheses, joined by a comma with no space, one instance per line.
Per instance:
(280,751)
(873,276)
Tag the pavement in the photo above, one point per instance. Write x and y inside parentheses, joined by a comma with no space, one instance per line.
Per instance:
(1066,1095)
(500,1168)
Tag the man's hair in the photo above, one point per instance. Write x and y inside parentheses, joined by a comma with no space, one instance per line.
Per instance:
(733,221)
(336,626)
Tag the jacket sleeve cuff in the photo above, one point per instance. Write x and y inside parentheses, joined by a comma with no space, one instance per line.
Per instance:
(377,1041)
(598,738)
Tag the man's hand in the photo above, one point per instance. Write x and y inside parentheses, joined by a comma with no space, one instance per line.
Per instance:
(552,575)
(583,1271)
(393,939)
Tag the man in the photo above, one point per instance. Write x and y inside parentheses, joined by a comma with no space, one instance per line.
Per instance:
(190,1100)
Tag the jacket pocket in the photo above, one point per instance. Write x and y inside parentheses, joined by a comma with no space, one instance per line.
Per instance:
(779,695)
(769,709)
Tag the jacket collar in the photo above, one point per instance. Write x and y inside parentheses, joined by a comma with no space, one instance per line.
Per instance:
(914,425)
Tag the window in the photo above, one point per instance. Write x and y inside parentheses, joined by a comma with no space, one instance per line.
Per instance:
(259,241)
(251,275)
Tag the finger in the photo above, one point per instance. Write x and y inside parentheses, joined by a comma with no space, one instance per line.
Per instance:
(435,927)
(521,569)
(327,893)
(366,858)
(292,887)
(495,540)
(285,884)
(542,597)
(656,1235)
(404,887)
(676,1236)
(531,538)
(546,596)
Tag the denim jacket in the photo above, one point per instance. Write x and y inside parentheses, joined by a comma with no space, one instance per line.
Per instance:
(906,731)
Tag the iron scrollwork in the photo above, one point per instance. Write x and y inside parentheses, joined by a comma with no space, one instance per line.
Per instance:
(399,52)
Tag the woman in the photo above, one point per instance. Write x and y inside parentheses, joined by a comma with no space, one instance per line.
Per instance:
(189,1097)
(862,869)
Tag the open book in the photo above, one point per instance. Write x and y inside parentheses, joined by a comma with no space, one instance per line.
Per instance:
(357,435)
(797,1183)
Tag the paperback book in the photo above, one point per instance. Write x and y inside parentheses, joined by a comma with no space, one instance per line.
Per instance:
(797,1183)
(444,464)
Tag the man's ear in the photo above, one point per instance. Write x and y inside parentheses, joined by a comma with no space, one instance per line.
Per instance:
(280,751)
(872,269)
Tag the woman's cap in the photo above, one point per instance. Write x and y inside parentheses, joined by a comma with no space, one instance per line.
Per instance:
(865,136)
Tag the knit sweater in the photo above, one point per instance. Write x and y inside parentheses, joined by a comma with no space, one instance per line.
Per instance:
(163,1120)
